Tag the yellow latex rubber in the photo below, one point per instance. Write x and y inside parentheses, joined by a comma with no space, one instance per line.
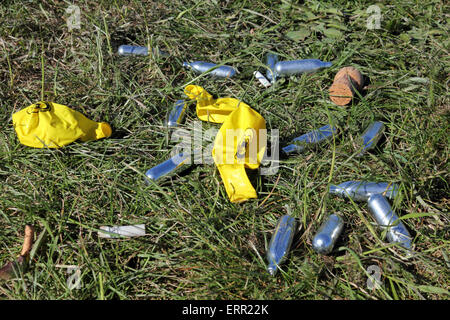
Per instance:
(210,109)
(52,125)
(239,144)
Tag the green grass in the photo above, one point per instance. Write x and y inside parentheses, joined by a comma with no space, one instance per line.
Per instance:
(199,245)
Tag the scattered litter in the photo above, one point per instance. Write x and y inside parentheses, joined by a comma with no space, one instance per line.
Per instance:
(17,267)
(362,190)
(312,137)
(127,50)
(346,83)
(245,147)
(177,114)
(280,243)
(370,137)
(386,218)
(169,167)
(327,235)
(210,109)
(271,60)
(293,67)
(137,230)
(258,75)
(52,125)
(246,151)
(218,71)
(375,194)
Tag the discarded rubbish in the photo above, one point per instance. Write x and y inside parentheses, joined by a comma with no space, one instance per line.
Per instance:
(18,266)
(177,114)
(52,125)
(327,235)
(127,50)
(271,60)
(370,137)
(346,83)
(239,144)
(280,243)
(287,68)
(258,75)
(132,50)
(309,138)
(362,190)
(232,157)
(219,72)
(137,230)
(169,167)
(210,109)
(387,219)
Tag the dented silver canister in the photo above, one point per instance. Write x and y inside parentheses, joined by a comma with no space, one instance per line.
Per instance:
(362,190)
(387,219)
(280,243)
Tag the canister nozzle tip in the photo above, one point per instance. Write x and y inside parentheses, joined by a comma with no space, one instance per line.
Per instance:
(121,50)
(272,269)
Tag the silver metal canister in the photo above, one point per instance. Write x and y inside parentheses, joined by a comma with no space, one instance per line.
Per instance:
(127,50)
(219,72)
(169,167)
(310,138)
(362,190)
(287,68)
(280,243)
(271,60)
(177,113)
(386,218)
(370,137)
(327,235)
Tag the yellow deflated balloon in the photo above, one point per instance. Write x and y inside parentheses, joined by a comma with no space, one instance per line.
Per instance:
(208,108)
(52,125)
(239,144)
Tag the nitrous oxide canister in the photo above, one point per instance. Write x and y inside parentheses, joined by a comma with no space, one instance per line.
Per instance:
(327,235)
(219,72)
(387,219)
(271,60)
(169,167)
(177,114)
(280,243)
(362,190)
(370,137)
(310,138)
(287,68)
(127,50)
